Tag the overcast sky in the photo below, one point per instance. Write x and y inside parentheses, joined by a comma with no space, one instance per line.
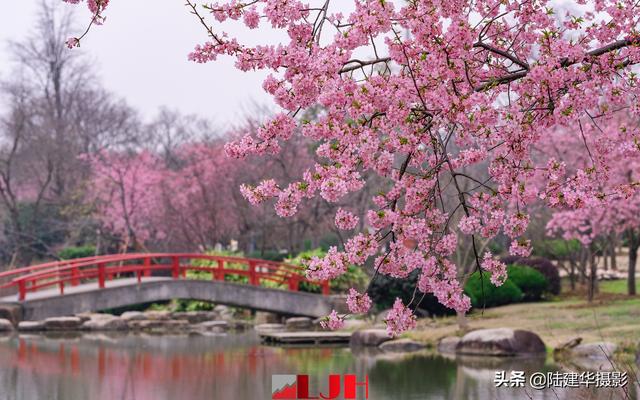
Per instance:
(141,55)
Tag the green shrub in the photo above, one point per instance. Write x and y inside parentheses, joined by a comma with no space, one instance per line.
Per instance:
(69,253)
(542,265)
(483,293)
(191,305)
(236,278)
(531,282)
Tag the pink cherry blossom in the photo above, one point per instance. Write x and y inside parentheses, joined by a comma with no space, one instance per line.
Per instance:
(72,42)
(346,220)
(333,321)
(358,303)
(399,319)
(496,268)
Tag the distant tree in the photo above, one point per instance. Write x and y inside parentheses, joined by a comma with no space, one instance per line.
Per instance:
(55,111)
(594,223)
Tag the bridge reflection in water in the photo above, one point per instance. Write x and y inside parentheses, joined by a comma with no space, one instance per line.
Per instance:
(237,367)
(153,368)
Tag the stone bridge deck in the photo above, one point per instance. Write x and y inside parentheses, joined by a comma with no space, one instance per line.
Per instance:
(124,292)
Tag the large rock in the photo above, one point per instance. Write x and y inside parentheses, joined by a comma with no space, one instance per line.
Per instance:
(84,317)
(195,317)
(369,337)
(501,342)
(31,326)
(401,346)
(159,324)
(269,327)
(158,315)
(213,326)
(224,311)
(240,325)
(145,324)
(5,325)
(594,350)
(105,324)
(447,345)
(133,316)
(263,317)
(298,324)
(62,323)
(218,325)
(12,312)
(593,356)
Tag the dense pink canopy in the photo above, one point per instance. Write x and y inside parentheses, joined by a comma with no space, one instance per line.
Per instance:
(421,93)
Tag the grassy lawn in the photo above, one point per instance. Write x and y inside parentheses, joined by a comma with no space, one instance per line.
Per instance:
(618,286)
(611,317)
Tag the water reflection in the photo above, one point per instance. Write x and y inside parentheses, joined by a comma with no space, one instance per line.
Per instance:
(235,366)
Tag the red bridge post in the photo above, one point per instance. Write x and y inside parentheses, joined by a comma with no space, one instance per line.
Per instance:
(101,275)
(218,273)
(175,267)
(22,290)
(294,283)
(75,281)
(147,266)
(325,288)
(253,278)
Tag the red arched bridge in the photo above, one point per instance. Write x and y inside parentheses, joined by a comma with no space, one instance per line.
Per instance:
(104,282)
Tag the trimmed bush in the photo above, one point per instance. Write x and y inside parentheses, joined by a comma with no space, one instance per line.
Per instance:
(542,265)
(531,282)
(483,293)
(69,253)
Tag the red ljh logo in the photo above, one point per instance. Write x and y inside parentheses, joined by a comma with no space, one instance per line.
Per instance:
(296,387)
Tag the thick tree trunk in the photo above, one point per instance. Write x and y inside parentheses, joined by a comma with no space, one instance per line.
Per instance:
(572,275)
(585,254)
(463,322)
(634,243)
(614,260)
(593,278)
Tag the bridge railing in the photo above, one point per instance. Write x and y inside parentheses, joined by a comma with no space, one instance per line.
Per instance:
(7,286)
(102,269)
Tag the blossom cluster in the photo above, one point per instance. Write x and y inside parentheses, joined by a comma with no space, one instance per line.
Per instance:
(358,303)
(332,321)
(346,220)
(399,319)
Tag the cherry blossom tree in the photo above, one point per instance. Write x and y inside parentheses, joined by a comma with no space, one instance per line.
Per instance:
(597,220)
(52,110)
(415,91)
(196,197)
(125,189)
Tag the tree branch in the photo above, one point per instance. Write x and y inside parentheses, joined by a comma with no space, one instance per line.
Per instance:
(564,63)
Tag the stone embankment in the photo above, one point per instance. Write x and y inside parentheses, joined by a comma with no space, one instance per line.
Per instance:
(219,320)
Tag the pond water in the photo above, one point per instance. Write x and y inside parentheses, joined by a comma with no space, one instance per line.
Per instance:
(238,367)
